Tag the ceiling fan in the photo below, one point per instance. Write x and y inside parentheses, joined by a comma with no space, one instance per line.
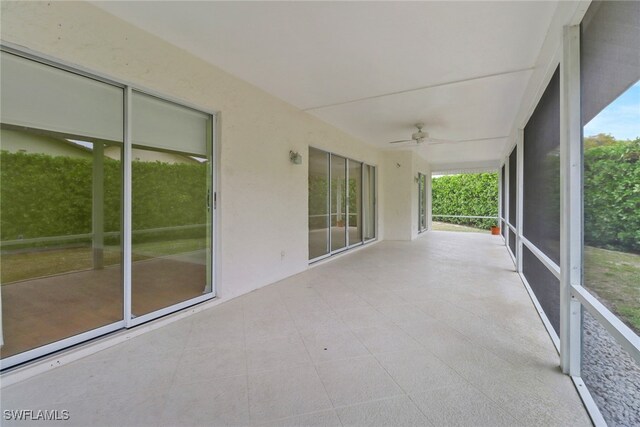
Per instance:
(422,136)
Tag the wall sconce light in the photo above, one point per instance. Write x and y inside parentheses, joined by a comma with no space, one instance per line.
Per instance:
(295,157)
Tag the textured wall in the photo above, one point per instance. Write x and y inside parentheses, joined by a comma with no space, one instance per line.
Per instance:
(263,197)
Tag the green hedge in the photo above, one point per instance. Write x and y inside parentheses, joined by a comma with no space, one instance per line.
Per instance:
(612,196)
(44,196)
(466,194)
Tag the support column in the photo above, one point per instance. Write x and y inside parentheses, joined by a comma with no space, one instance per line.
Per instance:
(571,217)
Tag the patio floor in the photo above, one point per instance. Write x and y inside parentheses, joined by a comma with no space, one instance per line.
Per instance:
(438,331)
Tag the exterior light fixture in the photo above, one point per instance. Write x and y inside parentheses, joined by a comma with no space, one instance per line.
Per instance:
(295,157)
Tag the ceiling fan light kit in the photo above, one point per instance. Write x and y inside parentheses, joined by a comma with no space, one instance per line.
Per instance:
(420,136)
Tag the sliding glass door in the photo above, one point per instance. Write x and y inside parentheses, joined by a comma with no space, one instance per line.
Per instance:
(341,203)
(104,226)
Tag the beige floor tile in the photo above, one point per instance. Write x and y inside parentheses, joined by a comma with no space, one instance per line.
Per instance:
(276,353)
(223,401)
(386,338)
(356,380)
(334,345)
(316,419)
(286,393)
(418,371)
(461,406)
(397,411)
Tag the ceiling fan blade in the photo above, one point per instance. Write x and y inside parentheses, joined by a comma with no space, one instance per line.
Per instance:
(398,142)
(434,141)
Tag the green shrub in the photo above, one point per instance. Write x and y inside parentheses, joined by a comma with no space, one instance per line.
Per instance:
(466,194)
(612,196)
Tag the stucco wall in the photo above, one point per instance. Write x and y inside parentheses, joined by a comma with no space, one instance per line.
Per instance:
(263,197)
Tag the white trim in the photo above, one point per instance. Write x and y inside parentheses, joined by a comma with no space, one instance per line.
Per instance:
(544,259)
(543,316)
(87,348)
(592,408)
(29,355)
(628,339)
(571,214)
(127,227)
(138,320)
(328,258)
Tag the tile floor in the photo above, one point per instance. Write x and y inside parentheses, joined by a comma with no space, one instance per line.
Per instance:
(439,331)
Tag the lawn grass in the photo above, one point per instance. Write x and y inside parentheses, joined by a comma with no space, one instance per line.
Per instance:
(26,265)
(614,277)
(444,226)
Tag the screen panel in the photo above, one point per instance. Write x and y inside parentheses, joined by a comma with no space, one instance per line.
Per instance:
(502,192)
(513,186)
(545,286)
(610,95)
(541,173)
(610,373)
(512,241)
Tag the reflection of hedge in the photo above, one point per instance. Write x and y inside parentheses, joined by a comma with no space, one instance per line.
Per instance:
(467,194)
(318,193)
(612,196)
(43,195)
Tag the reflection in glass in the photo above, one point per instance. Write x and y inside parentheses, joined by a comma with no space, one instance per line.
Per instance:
(422,202)
(369,197)
(170,222)
(338,202)
(355,202)
(318,203)
(61,250)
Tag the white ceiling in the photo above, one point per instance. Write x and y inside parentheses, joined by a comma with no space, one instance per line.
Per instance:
(372,69)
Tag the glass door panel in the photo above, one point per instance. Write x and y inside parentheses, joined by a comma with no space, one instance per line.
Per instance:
(369,197)
(171,220)
(354,218)
(60,204)
(338,202)
(318,203)
(422,202)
